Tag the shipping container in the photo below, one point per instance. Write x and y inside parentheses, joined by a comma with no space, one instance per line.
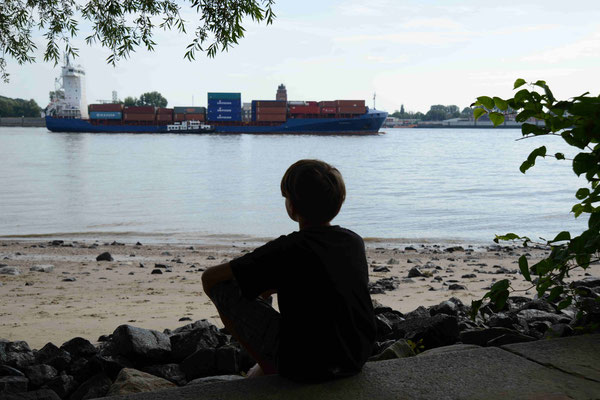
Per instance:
(164,118)
(328,110)
(224,102)
(271,117)
(224,117)
(269,103)
(350,103)
(224,96)
(327,104)
(269,110)
(304,109)
(351,110)
(106,115)
(224,110)
(106,107)
(160,111)
(140,110)
(189,110)
(138,117)
(195,117)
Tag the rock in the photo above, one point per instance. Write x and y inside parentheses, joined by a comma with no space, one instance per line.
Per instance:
(63,385)
(16,354)
(531,316)
(70,279)
(156,272)
(52,355)
(393,261)
(469,276)
(187,339)
(409,248)
(453,348)
(445,307)
(588,282)
(537,304)
(5,370)
(105,257)
(111,364)
(41,394)
(162,266)
(82,369)
(382,285)
(558,330)
(138,244)
(510,338)
(481,337)
(142,343)
(42,268)
(415,272)
(419,312)
(381,268)
(79,347)
(399,349)
(212,379)
(200,364)
(56,242)
(436,331)
(227,360)
(456,286)
(13,384)
(453,249)
(170,372)
(39,374)
(500,320)
(96,386)
(133,381)
(10,271)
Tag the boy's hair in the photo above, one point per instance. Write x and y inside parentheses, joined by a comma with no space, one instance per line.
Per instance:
(315,188)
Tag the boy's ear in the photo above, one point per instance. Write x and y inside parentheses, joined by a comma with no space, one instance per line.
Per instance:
(289,206)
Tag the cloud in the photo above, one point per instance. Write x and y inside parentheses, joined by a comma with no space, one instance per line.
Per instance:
(411,38)
(588,47)
(433,23)
(388,60)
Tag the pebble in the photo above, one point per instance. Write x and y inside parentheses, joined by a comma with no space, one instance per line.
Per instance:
(105,257)
(70,279)
(156,272)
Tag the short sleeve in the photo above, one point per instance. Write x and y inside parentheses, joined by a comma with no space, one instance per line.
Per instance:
(260,270)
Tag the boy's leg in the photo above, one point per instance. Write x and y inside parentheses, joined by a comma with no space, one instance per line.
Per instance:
(253,323)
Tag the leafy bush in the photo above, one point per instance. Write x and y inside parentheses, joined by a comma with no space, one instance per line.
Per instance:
(577,121)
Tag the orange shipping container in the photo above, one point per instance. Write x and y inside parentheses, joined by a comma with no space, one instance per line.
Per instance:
(351,110)
(138,117)
(269,103)
(164,111)
(350,103)
(271,117)
(328,110)
(262,110)
(106,107)
(164,118)
(194,117)
(327,104)
(179,117)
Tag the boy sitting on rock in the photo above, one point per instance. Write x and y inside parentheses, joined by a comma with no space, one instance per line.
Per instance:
(326,326)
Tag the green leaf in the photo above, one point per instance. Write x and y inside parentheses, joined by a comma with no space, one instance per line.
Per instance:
(555,292)
(508,236)
(540,83)
(500,104)
(559,156)
(565,303)
(582,193)
(524,267)
(496,118)
(475,306)
(500,299)
(478,112)
(564,235)
(530,162)
(500,286)
(519,82)
(583,162)
(486,101)
(521,96)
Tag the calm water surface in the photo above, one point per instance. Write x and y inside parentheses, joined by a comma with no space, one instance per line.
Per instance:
(412,184)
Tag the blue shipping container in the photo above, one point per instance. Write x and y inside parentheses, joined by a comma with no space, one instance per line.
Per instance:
(224,117)
(225,102)
(224,96)
(105,115)
(224,110)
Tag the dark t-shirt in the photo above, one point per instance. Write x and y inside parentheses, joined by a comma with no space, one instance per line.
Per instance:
(321,277)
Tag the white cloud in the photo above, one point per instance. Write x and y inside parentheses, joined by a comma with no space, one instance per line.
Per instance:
(588,47)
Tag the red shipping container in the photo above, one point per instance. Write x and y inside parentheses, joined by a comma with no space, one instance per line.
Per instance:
(194,117)
(350,103)
(269,103)
(351,110)
(106,107)
(140,110)
(164,118)
(312,103)
(138,117)
(164,111)
(328,110)
(327,104)
(271,118)
(304,109)
(263,110)
(179,117)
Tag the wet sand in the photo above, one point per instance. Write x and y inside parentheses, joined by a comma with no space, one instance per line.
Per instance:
(41,307)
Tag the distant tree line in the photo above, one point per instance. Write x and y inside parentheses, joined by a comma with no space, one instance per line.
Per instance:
(147,99)
(18,108)
(436,112)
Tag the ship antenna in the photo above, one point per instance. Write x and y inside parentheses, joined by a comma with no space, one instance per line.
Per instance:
(374,97)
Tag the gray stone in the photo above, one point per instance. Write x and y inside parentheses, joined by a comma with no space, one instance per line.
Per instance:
(156,271)
(537,315)
(456,286)
(133,381)
(213,379)
(141,343)
(201,363)
(39,374)
(16,354)
(105,257)
(10,271)
(398,349)
(62,385)
(5,370)
(227,360)
(13,384)
(590,282)
(576,355)
(42,268)
(448,349)
(436,331)
(510,338)
(96,386)
(189,338)
(481,337)
(415,272)
(170,372)
(41,394)
(445,307)
(79,347)
(52,355)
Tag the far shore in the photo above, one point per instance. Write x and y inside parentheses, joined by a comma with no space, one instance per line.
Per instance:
(84,297)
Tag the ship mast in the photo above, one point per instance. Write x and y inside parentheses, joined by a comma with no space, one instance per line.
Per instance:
(374,97)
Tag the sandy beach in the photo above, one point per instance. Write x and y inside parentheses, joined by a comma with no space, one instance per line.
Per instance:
(84,297)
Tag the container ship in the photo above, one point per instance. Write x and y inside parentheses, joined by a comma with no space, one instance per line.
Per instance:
(225,113)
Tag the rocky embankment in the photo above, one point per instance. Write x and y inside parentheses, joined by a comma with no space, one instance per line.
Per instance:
(133,359)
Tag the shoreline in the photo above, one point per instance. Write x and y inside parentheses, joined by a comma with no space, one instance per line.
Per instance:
(84,297)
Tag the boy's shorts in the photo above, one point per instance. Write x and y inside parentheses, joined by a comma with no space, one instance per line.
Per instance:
(255,321)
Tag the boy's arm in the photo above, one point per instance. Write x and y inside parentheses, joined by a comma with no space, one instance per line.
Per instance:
(214,275)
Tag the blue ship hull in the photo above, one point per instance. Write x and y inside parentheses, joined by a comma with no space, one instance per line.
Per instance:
(369,123)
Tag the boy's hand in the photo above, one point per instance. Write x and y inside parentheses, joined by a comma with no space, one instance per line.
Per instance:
(268,293)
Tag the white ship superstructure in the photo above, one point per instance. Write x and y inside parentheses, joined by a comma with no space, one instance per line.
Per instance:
(69,98)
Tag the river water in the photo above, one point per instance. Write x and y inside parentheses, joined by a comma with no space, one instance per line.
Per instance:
(409,184)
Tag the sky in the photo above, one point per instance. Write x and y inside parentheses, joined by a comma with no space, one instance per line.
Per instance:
(414,53)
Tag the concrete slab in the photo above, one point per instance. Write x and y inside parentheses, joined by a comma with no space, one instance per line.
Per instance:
(485,373)
(577,355)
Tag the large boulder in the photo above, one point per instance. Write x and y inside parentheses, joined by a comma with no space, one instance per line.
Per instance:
(79,347)
(63,385)
(227,360)
(16,354)
(134,381)
(39,374)
(436,331)
(170,372)
(41,394)
(200,364)
(139,343)
(192,337)
(52,355)
(13,384)
(97,386)
(535,315)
